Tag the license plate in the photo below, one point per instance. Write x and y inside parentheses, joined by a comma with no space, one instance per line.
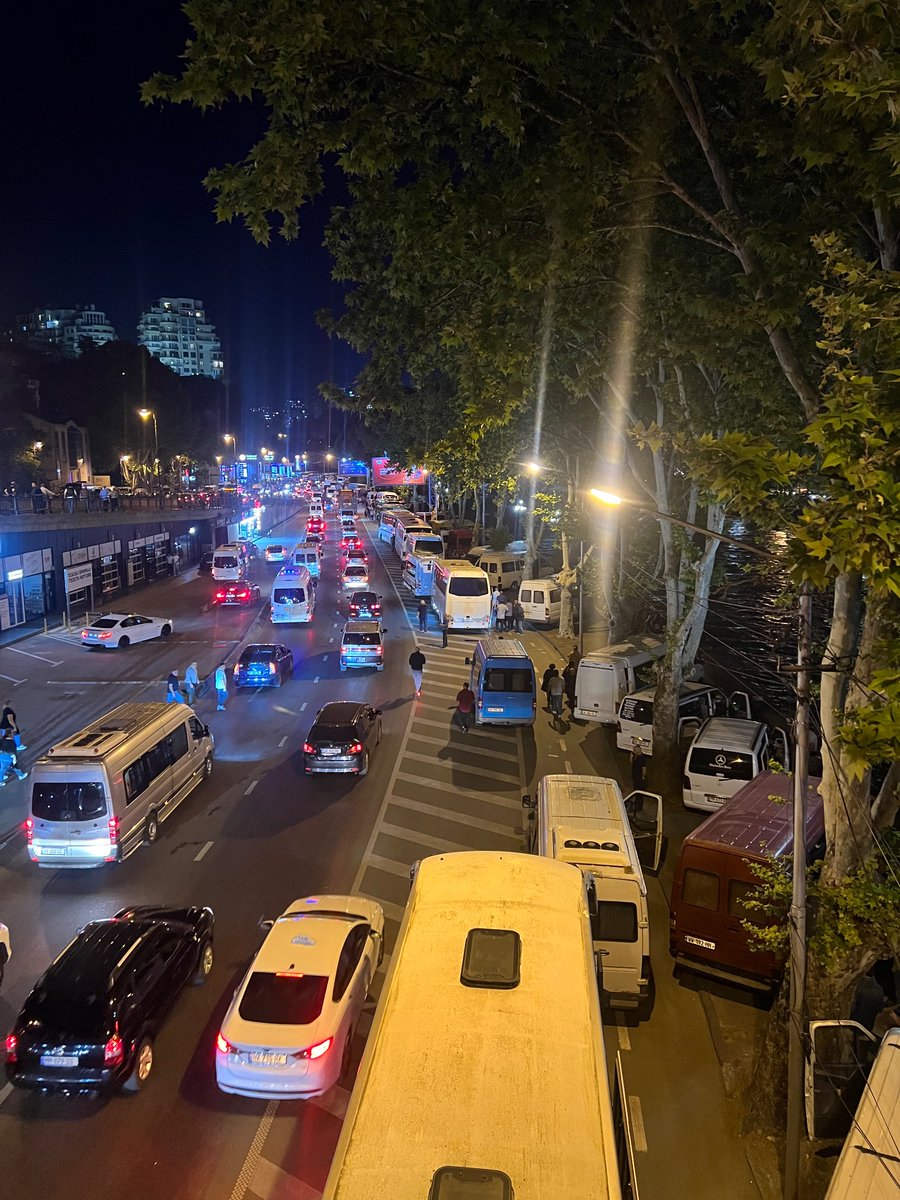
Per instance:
(329,752)
(261,1059)
(499,710)
(700,942)
(714,799)
(59,1060)
(45,850)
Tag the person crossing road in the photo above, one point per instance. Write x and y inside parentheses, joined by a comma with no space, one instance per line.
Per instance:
(417,666)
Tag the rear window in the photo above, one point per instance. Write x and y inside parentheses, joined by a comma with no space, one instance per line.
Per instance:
(739,890)
(66,1014)
(225,560)
(362,639)
(332,733)
(104,623)
(700,888)
(258,656)
(724,764)
(283,999)
(509,679)
(468,585)
(294,595)
(68,801)
(276,549)
(615,922)
(555,595)
(525,596)
(640,711)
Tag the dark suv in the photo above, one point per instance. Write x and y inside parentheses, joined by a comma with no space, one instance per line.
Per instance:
(342,738)
(91,1019)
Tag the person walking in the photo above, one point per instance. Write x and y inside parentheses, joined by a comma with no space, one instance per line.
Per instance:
(191,682)
(518,614)
(113,499)
(495,600)
(36,498)
(9,762)
(555,693)
(221,687)
(422,611)
(445,629)
(638,766)
(502,614)
(70,495)
(545,679)
(417,665)
(465,708)
(173,691)
(9,725)
(104,498)
(570,675)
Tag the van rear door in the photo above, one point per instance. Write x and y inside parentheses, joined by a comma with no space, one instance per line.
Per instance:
(838,1062)
(644,810)
(71,814)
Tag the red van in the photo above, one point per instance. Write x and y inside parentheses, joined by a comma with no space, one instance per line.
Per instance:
(714,875)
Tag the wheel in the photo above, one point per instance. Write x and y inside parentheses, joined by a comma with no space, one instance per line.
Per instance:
(143,1065)
(207,766)
(165,631)
(364,769)
(346,1057)
(151,829)
(124,641)
(380,950)
(204,964)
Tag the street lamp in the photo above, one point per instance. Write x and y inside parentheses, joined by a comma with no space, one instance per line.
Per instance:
(147,414)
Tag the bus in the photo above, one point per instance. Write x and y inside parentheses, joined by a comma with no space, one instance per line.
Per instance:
(388,522)
(229,563)
(484,1074)
(461,593)
(293,596)
(418,573)
(408,523)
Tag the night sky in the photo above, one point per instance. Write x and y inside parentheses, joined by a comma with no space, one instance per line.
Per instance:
(101,199)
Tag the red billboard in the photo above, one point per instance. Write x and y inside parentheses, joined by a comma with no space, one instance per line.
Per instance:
(388,474)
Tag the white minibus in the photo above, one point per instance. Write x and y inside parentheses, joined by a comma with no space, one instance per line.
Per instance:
(293,596)
(504,568)
(229,563)
(418,573)
(606,676)
(424,543)
(306,554)
(726,753)
(407,523)
(541,601)
(461,594)
(97,795)
(388,521)
(484,1073)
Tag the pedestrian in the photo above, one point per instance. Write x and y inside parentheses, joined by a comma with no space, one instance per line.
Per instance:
(221,687)
(173,691)
(36,498)
(465,708)
(638,766)
(47,497)
(417,665)
(70,495)
(191,682)
(9,725)
(495,600)
(104,498)
(176,563)
(445,629)
(422,611)
(518,613)
(555,692)
(113,498)
(9,763)
(547,676)
(570,677)
(502,614)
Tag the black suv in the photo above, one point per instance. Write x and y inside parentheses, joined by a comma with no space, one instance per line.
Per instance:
(342,738)
(90,1021)
(263,665)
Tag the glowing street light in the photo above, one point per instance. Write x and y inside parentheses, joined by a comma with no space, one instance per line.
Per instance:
(38,446)
(147,414)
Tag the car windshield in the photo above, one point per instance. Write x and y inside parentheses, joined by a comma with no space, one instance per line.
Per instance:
(468,585)
(66,1014)
(68,801)
(283,998)
(105,623)
(362,639)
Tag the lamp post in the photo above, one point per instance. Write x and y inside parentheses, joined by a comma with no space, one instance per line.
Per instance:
(147,414)
(797,929)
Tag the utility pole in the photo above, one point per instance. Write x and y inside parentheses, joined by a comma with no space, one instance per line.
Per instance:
(797,1013)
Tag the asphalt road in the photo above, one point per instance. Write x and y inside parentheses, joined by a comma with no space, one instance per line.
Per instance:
(260,834)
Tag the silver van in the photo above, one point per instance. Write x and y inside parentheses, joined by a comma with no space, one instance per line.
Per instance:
(99,794)
(727,753)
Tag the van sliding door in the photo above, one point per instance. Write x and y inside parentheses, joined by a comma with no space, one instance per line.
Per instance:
(644,811)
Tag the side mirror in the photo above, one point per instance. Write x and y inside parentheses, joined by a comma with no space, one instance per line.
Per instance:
(266,923)
(528,802)
(468,661)
(375,935)
(206,731)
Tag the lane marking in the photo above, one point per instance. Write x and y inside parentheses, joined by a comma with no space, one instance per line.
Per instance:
(302,706)
(569,770)
(254,1154)
(455,818)
(203,851)
(251,787)
(637,1124)
(331,639)
(54,662)
(316,677)
(102,682)
(271,1182)
(282,742)
(16,682)
(5,1093)
(562,744)
(622,1031)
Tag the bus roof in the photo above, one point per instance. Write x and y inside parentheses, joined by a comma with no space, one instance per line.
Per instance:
(868,1168)
(458,566)
(511,1079)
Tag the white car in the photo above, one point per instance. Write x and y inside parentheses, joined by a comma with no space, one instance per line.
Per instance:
(5,951)
(275,553)
(354,576)
(288,1032)
(121,629)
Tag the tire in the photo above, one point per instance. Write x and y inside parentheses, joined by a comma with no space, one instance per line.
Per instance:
(205,961)
(346,1056)
(165,631)
(207,766)
(364,769)
(151,828)
(124,642)
(143,1067)
(380,951)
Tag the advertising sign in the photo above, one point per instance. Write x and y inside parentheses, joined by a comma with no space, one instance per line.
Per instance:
(388,474)
(78,577)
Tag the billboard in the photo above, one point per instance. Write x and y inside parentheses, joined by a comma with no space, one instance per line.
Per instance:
(388,474)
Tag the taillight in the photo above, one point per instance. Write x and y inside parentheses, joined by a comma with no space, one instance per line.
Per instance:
(317,1050)
(104,636)
(356,748)
(113,830)
(308,749)
(113,1052)
(12,1048)
(685,782)
(29,830)
(272,668)
(223,1045)
(379,649)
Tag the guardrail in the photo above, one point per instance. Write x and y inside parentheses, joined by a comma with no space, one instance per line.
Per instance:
(26,505)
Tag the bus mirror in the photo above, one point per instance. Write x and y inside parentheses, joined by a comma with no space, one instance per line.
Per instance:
(527,801)
(266,922)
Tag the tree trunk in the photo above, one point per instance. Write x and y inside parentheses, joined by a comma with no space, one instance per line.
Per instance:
(479,518)
(566,611)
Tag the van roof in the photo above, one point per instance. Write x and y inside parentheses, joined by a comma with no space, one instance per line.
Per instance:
(587,810)
(461,566)
(686,689)
(637,645)
(500,647)
(867,1166)
(109,731)
(758,820)
(728,733)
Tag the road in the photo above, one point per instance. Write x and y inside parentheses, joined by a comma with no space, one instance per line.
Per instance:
(258,835)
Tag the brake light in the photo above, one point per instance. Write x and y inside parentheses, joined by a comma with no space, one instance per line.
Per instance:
(113,1052)
(29,830)
(220,595)
(317,1050)
(308,749)
(272,668)
(113,830)
(356,748)
(104,636)
(223,1046)
(379,649)
(12,1048)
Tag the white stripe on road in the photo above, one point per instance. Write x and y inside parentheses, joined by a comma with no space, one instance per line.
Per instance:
(388,865)
(569,770)
(5,1094)
(458,818)
(203,851)
(271,1182)
(302,706)
(316,677)
(254,1153)
(282,742)
(251,787)
(622,1031)
(456,764)
(637,1124)
(11,680)
(54,662)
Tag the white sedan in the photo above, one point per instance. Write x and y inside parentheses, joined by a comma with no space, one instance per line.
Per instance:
(121,629)
(354,576)
(275,553)
(288,1032)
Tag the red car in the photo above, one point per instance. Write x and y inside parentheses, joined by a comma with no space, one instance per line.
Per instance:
(237,593)
(315,525)
(352,540)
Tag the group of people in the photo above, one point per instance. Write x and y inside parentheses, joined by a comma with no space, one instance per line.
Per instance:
(178,693)
(557,687)
(507,616)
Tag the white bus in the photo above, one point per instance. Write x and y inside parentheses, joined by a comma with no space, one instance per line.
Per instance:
(293,596)
(462,594)
(485,1063)
(407,523)
(418,573)
(388,522)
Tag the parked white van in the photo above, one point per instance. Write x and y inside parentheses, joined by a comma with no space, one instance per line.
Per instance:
(97,795)
(504,568)
(418,573)
(229,563)
(583,820)
(541,600)
(726,753)
(606,676)
(696,702)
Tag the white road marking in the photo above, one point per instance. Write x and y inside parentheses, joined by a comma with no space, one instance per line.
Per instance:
(5,1094)
(282,742)
(271,1182)
(330,640)
(254,1154)
(203,851)
(11,680)
(302,706)
(622,1031)
(562,745)
(316,677)
(568,766)
(54,662)
(253,784)
(637,1124)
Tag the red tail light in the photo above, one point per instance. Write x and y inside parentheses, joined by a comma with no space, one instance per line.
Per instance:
(379,649)
(223,1045)
(356,748)
(317,1050)
(104,636)
(29,830)
(113,1052)
(113,830)
(12,1048)
(272,668)
(308,749)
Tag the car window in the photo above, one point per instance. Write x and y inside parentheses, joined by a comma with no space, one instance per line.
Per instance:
(509,566)
(700,888)
(362,639)
(68,801)
(538,597)
(697,706)
(554,596)
(283,998)
(348,960)
(725,764)
(104,623)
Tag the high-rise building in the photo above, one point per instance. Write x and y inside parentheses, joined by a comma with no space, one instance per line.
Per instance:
(175,330)
(64,329)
